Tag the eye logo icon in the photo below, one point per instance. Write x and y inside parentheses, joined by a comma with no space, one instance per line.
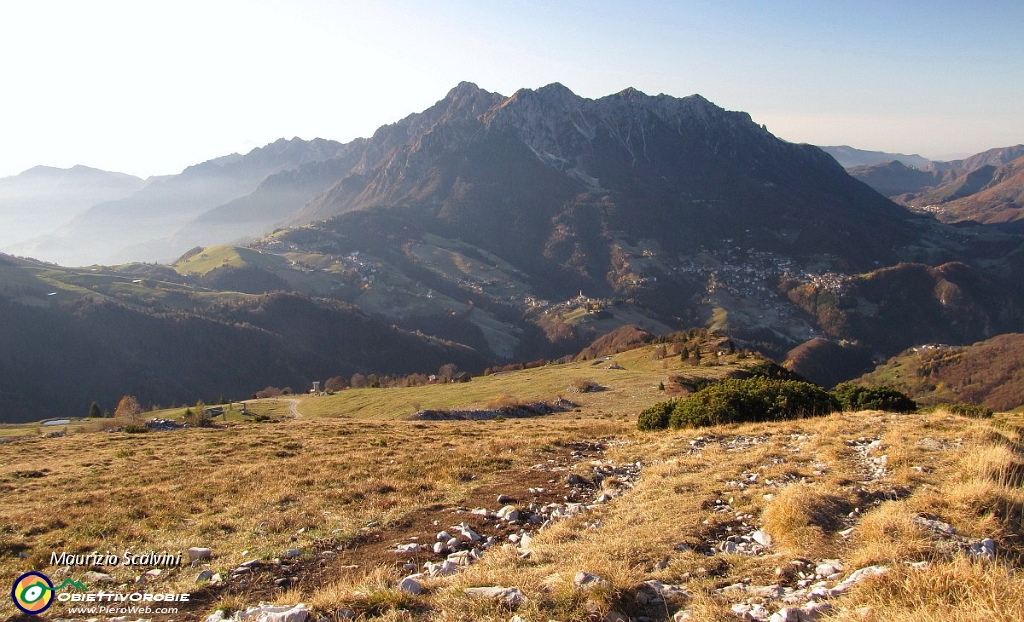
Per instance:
(32,592)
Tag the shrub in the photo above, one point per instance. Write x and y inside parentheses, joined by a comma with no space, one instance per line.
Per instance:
(751,399)
(970,410)
(197,418)
(855,397)
(737,401)
(135,428)
(584,385)
(656,417)
(768,369)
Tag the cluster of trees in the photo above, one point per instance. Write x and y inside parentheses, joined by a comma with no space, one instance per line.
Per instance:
(446,373)
(528,365)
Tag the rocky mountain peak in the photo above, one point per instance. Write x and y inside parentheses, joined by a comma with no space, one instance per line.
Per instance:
(466,100)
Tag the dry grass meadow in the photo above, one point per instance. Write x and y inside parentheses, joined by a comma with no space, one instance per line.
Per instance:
(352,477)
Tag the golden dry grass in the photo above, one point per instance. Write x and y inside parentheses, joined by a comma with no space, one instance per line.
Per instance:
(251,491)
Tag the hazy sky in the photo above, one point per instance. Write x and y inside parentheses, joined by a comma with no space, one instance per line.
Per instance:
(149,87)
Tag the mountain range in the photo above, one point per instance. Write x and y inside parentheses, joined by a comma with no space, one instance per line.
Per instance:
(491,229)
(986,188)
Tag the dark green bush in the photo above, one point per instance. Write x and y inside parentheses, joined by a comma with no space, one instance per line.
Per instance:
(656,417)
(970,410)
(737,401)
(855,397)
(774,371)
(135,428)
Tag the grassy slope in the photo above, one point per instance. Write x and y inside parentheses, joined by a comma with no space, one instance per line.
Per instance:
(350,471)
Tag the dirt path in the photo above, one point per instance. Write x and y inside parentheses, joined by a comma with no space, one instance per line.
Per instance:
(293,405)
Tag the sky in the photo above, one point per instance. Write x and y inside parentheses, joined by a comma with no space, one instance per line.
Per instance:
(148,88)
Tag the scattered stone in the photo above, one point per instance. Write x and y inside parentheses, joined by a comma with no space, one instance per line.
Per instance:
(857,577)
(937,527)
(509,513)
(504,500)
(746,611)
(97,577)
(412,547)
(460,558)
(411,584)
(578,480)
(198,554)
(293,553)
(985,549)
(587,580)
(206,575)
(274,613)
(465,533)
(441,569)
(509,596)
(654,592)
(762,537)
(828,568)
(786,614)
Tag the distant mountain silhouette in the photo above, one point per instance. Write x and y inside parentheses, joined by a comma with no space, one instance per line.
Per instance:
(851,157)
(42,198)
(106,231)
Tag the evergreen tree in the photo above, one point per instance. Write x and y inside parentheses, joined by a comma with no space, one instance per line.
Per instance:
(94,410)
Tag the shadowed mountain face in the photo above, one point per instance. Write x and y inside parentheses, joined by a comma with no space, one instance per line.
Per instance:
(525,170)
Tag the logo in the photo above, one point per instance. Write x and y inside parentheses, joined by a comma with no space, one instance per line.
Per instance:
(32,593)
